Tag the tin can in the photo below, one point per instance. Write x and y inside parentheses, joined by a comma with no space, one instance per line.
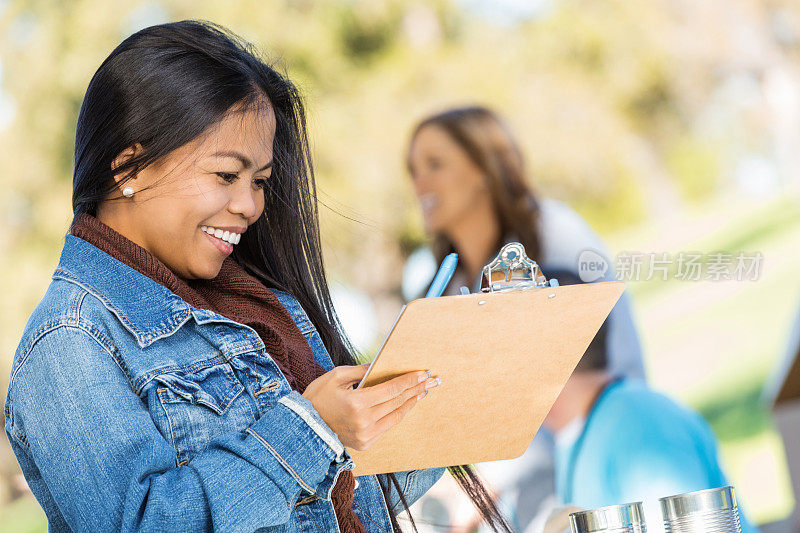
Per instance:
(626,518)
(707,511)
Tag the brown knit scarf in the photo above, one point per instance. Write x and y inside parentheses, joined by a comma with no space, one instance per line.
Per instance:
(236,295)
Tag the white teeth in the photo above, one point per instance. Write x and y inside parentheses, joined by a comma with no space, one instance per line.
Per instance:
(428,201)
(227,236)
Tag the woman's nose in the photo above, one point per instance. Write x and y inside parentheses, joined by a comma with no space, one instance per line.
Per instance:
(244,200)
(420,184)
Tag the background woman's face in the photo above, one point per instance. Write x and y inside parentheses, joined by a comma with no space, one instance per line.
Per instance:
(447,183)
(214,182)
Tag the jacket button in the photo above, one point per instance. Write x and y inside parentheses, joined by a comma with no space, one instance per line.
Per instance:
(356,484)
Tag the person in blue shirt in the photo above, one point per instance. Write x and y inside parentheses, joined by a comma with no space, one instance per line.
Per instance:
(617,441)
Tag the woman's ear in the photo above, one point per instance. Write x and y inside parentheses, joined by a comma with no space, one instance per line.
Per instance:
(124,156)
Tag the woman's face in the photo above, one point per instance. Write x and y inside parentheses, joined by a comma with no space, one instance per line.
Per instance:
(448,184)
(212,184)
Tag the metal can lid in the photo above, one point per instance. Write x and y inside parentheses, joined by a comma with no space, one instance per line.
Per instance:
(701,501)
(612,518)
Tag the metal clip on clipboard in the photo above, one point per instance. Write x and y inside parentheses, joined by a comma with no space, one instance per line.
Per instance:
(513,270)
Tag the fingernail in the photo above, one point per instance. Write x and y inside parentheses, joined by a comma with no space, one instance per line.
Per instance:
(425,376)
(433,383)
(421,395)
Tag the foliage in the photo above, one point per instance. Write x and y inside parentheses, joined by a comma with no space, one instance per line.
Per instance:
(608,98)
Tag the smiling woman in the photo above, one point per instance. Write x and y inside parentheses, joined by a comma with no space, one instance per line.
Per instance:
(218,189)
(185,370)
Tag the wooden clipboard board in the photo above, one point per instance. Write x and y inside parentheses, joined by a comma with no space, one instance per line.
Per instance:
(503,358)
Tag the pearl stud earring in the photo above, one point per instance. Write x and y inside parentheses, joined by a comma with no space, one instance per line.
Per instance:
(127,192)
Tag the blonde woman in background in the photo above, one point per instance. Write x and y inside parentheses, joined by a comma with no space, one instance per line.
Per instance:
(469,176)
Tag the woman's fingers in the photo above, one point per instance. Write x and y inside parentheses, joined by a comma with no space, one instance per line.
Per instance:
(391,412)
(359,417)
(347,375)
(388,390)
(393,418)
(420,389)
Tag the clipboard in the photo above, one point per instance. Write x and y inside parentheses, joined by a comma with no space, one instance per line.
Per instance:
(503,355)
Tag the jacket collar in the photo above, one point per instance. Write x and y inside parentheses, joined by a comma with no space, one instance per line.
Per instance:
(147,309)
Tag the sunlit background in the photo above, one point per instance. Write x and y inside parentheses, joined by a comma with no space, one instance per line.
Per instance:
(670,125)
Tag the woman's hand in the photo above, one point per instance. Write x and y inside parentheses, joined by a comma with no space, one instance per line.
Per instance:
(360,416)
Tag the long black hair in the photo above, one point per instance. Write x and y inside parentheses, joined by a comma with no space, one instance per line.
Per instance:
(164,86)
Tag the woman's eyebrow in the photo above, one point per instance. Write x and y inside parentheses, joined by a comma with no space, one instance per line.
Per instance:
(244,159)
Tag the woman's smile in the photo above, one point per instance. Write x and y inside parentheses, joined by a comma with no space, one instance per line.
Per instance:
(428,202)
(222,239)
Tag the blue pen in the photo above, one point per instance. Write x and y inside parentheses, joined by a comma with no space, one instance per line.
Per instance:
(443,277)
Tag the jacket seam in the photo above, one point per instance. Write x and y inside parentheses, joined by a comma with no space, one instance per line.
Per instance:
(308,330)
(307,499)
(306,327)
(74,323)
(76,303)
(78,325)
(281,460)
(14,433)
(169,422)
(368,515)
(147,377)
(164,329)
(91,329)
(328,437)
(310,516)
(299,315)
(410,479)
(66,276)
(205,363)
(142,380)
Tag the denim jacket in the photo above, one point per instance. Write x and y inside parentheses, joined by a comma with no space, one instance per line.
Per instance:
(128,410)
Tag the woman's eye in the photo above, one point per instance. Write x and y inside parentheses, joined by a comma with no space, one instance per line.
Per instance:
(262,183)
(227,176)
